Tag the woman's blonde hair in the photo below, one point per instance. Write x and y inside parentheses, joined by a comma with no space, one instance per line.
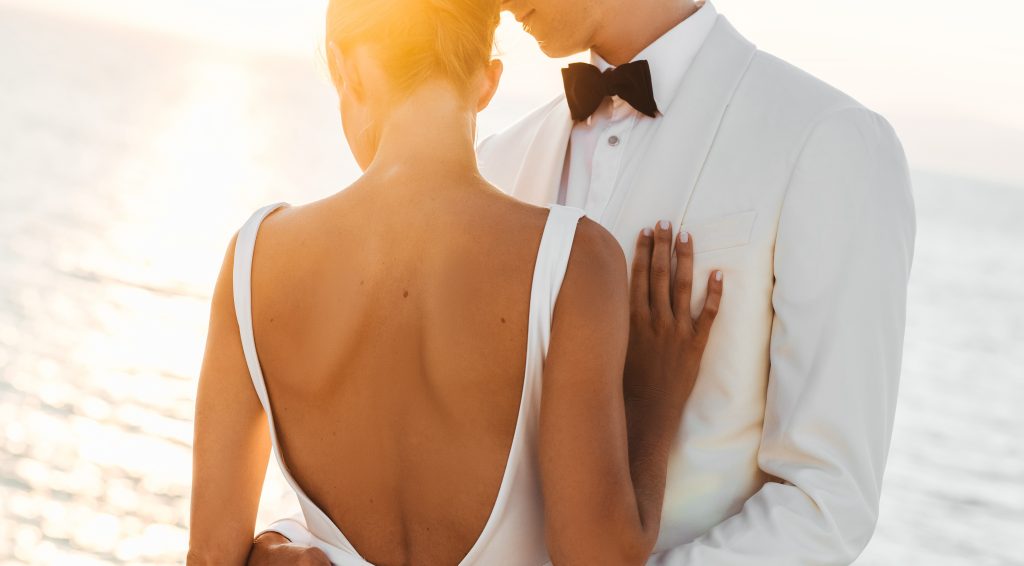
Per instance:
(416,41)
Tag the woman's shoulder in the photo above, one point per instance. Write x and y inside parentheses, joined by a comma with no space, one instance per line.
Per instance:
(596,271)
(287,225)
(596,252)
(282,245)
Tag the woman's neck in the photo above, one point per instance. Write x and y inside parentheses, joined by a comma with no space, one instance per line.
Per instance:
(428,135)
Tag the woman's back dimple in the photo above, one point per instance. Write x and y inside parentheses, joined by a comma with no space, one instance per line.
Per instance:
(396,369)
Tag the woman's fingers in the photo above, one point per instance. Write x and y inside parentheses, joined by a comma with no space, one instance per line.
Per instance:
(639,297)
(707,315)
(661,261)
(683,278)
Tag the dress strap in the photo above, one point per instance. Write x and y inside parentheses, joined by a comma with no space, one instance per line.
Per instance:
(245,245)
(319,524)
(549,272)
(519,484)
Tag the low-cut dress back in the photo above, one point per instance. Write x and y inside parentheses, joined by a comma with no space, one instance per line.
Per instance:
(514,531)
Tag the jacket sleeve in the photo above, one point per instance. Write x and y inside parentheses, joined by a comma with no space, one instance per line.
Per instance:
(842,261)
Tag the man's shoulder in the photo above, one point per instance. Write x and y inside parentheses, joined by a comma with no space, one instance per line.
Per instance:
(797,84)
(779,90)
(793,107)
(824,132)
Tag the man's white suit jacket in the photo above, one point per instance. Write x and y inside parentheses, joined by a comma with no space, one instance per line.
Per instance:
(802,197)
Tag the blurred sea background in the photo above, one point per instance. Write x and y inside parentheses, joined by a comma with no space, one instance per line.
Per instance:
(136,136)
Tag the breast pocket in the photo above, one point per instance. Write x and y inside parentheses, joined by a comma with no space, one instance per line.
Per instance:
(713,234)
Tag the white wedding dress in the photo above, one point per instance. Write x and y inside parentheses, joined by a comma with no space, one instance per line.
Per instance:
(514,532)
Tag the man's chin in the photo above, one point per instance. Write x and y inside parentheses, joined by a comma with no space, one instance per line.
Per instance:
(555,51)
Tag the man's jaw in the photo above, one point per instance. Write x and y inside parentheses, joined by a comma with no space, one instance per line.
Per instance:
(521,13)
(524,14)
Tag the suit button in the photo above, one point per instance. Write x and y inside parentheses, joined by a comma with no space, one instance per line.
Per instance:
(613,141)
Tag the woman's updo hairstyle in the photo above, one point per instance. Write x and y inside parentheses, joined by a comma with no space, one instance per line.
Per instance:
(417,41)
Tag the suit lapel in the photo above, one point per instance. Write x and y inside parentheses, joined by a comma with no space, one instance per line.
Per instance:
(541,172)
(668,175)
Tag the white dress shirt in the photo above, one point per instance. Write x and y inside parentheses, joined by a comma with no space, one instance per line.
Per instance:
(604,145)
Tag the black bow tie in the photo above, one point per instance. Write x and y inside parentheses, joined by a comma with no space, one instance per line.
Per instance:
(586,87)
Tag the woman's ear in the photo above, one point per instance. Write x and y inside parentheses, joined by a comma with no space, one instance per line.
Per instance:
(334,62)
(345,73)
(491,78)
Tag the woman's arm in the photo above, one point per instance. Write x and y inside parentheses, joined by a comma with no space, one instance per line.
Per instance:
(602,494)
(231,442)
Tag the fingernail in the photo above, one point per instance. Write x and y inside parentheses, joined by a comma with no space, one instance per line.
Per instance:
(646,231)
(718,276)
(664,224)
(684,236)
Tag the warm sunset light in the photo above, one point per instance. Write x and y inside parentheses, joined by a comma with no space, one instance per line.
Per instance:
(140,135)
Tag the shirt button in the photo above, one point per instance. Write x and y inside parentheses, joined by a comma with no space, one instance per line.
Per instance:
(613,141)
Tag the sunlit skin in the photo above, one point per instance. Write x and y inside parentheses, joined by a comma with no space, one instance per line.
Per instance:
(617,30)
(391,324)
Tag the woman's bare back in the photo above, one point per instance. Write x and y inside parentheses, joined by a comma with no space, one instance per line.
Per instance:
(392,336)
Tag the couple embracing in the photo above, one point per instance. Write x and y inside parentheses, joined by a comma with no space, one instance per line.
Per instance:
(659,320)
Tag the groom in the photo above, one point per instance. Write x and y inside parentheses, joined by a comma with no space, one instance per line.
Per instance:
(801,196)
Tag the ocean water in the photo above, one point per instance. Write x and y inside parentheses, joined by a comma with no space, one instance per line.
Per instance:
(128,159)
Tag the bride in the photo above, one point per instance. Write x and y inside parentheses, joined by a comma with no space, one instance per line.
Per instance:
(449,376)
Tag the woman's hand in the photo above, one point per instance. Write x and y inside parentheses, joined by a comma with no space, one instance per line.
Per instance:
(273,549)
(604,460)
(665,341)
